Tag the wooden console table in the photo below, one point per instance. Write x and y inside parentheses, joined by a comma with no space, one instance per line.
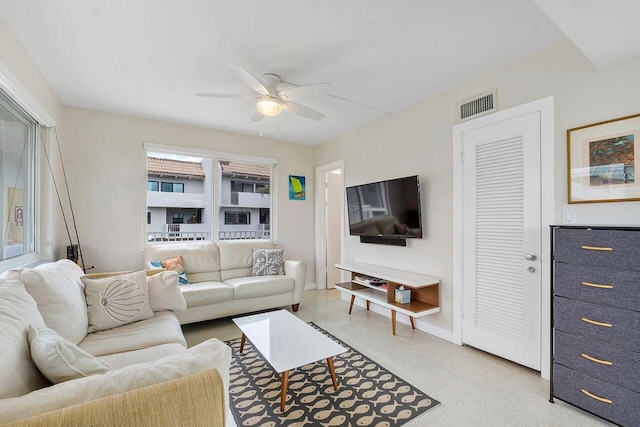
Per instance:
(425,290)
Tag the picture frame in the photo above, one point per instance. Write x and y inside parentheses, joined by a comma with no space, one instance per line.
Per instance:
(297,187)
(602,161)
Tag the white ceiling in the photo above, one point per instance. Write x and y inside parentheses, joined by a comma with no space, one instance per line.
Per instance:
(148,57)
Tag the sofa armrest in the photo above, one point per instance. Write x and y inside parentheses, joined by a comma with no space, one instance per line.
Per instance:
(207,355)
(149,272)
(297,270)
(194,400)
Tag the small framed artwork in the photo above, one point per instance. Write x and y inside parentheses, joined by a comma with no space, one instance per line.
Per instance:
(602,160)
(297,187)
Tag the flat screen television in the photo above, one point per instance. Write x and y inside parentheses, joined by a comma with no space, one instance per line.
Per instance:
(389,209)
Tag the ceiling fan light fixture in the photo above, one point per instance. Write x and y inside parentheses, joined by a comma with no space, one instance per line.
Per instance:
(269,107)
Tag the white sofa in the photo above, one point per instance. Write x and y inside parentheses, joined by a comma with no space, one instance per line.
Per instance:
(142,354)
(220,281)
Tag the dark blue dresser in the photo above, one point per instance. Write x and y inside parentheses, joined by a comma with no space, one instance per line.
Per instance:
(595,306)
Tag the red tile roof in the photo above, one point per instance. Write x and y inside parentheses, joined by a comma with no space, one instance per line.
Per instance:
(254,170)
(178,168)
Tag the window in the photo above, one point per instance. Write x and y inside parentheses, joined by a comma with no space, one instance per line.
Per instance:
(178,218)
(242,187)
(216,185)
(148,218)
(152,186)
(18,136)
(264,216)
(237,217)
(172,187)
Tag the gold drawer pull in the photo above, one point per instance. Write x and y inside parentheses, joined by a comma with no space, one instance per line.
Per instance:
(596,285)
(593,359)
(595,248)
(593,322)
(593,396)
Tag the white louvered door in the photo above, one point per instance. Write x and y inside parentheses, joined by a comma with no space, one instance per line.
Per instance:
(502,238)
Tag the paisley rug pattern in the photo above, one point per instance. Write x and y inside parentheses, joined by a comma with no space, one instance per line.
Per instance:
(368,394)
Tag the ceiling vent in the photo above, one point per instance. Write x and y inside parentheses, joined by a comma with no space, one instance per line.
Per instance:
(477,106)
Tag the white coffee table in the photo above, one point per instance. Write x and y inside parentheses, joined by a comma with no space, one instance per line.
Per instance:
(287,343)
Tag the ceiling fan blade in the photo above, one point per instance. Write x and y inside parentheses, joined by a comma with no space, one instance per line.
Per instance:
(249,80)
(256,116)
(222,95)
(301,110)
(308,91)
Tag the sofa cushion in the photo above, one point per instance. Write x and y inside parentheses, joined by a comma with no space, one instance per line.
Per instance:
(250,287)
(163,328)
(268,262)
(236,256)
(58,359)
(197,257)
(164,293)
(205,293)
(144,355)
(18,374)
(207,355)
(117,300)
(59,293)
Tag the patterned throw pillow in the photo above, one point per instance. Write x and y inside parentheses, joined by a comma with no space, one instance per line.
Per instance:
(60,360)
(174,264)
(268,262)
(117,300)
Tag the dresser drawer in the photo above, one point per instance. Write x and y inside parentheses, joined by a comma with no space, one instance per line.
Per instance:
(602,361)
(622,406)
(598,285)
(609,325)
(607,248)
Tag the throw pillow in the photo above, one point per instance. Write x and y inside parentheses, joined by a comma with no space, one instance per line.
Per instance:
(117,300)
(164,293)
(174,264)
(268,262)
(60,360)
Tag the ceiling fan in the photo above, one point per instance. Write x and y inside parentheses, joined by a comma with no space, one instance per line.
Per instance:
(273,95)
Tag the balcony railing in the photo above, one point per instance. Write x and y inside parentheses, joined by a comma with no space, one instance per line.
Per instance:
(246,200)
(177,236)
(253,234)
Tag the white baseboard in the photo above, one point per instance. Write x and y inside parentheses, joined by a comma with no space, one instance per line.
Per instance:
(309,286)
(421,325)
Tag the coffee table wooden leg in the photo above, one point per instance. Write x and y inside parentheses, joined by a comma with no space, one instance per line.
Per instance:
(368,304)
(353,298)
(393,321)
(413,325)
(244,338)
(283,389)
(332,371)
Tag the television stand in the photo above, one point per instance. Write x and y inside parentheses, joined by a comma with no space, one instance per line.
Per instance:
(425,290)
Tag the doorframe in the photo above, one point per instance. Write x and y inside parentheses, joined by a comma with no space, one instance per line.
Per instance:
(321,253)
(545,107)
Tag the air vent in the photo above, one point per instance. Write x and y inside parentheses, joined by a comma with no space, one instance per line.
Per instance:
(477,106)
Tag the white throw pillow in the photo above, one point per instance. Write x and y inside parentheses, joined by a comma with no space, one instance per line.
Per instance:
(60,360)
(117,300)
(268,262)
(164,293)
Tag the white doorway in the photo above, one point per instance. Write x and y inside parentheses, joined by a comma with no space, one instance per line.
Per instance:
(329,223)
(500,244)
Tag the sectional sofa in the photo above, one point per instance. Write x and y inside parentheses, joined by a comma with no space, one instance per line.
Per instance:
(151,378)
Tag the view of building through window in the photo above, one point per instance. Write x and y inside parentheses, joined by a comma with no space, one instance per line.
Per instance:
(17,180)
(182,195)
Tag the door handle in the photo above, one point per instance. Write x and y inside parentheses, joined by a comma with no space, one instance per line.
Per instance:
(530,256)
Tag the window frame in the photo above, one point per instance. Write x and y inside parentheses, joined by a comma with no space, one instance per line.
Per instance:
(216,157)
(238,214)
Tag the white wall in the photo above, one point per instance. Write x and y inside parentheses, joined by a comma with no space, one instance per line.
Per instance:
(418,141)
(106,169)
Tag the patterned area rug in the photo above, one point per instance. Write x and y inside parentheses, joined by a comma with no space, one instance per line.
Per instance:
(368,394)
